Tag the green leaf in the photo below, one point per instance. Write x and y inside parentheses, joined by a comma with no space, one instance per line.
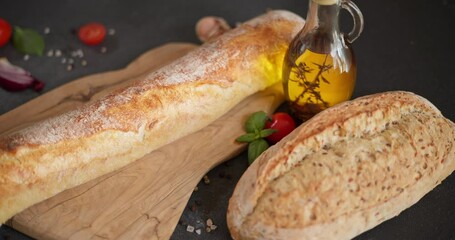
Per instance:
(267,132)
(28,41)
(249,137)
(256,122)
(255,148)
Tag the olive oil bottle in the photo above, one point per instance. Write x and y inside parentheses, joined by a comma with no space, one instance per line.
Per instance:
(319,68)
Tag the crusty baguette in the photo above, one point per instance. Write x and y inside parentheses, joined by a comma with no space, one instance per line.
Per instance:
(67,150)
(345,171)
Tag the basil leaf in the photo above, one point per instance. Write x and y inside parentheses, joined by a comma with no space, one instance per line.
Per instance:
(267,132)
(249,137)
(255,148)
(28,41)
(256,122)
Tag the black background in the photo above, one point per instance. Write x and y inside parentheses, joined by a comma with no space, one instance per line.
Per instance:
(406,45)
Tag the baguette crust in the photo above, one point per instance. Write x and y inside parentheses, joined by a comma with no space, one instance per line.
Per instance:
(345,171)
(104,135)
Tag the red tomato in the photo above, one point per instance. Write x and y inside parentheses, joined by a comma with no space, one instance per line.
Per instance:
(5,32)
(283,123)
(92,33)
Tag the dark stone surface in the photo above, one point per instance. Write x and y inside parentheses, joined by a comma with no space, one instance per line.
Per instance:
(406,45)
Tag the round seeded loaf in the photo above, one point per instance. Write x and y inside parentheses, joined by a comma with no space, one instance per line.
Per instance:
(345,171)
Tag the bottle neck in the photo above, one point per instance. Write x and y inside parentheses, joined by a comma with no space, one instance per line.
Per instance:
(322,16)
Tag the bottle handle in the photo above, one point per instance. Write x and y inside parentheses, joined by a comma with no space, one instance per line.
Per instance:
(357,17)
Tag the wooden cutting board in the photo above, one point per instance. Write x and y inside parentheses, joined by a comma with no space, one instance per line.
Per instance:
(145,199)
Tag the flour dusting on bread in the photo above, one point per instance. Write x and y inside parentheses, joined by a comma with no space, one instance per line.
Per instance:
(153,110)
(212,59)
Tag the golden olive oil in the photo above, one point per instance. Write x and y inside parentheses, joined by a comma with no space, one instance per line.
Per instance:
(319,68)
(314,82)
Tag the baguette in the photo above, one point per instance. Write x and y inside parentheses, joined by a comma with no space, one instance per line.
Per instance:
(345,171)
(50,156)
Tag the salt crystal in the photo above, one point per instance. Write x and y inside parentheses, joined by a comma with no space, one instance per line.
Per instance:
(26,57)
(47,30)
(103,49)
(111,31)
(84,63)
(213,227)
(198,231)
(209,222)
(58,53)
(50,53)
(190,228)
(206,179)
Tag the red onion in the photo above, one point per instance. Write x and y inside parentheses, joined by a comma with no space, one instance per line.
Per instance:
(14,78)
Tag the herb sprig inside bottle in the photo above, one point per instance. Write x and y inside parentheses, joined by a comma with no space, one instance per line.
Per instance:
(319,68)
(255,135)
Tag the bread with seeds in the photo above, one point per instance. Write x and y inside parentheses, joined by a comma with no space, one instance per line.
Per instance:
(345,171)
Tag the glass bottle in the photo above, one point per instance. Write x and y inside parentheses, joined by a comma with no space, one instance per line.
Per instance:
(319,68)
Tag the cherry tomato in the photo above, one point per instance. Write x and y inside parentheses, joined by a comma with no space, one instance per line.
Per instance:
(283,123)
(92,33)
(5,32)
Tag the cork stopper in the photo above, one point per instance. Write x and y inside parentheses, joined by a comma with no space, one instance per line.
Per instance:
(325,2)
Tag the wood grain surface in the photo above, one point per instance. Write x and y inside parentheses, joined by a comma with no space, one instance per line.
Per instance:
(145,199)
